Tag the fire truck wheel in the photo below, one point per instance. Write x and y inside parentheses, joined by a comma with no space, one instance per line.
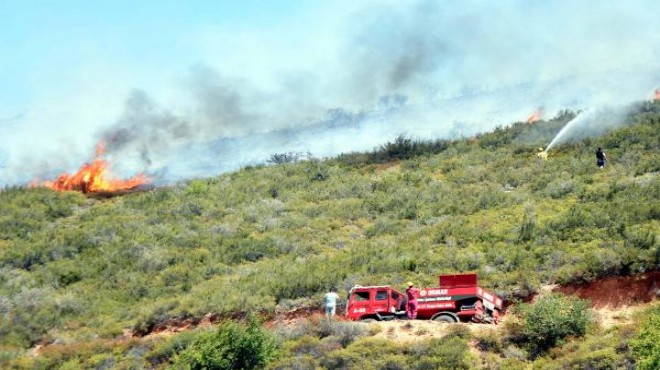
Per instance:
(367,320)
(444,318)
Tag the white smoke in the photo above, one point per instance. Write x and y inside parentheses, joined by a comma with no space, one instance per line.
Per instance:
(348,78)
(591,122)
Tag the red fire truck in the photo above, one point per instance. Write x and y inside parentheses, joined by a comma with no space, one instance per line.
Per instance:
(457,298)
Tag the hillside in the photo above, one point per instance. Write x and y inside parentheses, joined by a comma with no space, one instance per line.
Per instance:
(269,238)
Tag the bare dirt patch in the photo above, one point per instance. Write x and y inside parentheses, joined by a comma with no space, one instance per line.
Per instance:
(616,299)
(610,317)
(617,291)
(403,331)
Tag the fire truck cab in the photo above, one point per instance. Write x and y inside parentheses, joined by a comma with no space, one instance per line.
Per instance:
(366,303)
(457,298)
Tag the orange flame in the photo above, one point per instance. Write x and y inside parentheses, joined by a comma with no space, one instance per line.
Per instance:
(93,177)
(657,95)
(536,116)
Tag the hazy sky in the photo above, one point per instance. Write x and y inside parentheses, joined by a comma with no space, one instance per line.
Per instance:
(52,47)
(195,88)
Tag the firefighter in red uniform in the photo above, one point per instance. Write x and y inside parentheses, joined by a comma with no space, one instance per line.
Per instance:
(411,306)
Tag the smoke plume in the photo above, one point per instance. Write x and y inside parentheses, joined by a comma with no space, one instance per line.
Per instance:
(354,77)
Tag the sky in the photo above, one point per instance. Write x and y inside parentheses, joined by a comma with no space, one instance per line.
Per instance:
(181,89)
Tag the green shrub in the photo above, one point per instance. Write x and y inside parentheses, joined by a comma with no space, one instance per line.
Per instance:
(459,331)
(288,157)
(489,341)
(605,358)
(322,327)
(299,362)
(528,226)
(549,320)
(405,148)
(646,344)
(603,350)
(164,351)
(368,353)
(449,353)
(232,346)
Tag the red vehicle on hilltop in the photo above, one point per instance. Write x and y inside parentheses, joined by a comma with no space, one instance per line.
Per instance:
(457,298)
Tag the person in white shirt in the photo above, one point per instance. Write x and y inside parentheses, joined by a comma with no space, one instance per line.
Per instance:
(330,302)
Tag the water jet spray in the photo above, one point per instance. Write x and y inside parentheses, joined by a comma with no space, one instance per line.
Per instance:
(591,122)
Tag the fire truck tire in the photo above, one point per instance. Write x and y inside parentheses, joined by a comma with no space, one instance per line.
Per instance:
(445,318)
(367,320)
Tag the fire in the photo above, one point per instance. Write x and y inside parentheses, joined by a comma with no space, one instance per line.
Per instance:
(536,116)
(92,178)
(657,95)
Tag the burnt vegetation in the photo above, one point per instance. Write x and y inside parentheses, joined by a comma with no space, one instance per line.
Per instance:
(75,273)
